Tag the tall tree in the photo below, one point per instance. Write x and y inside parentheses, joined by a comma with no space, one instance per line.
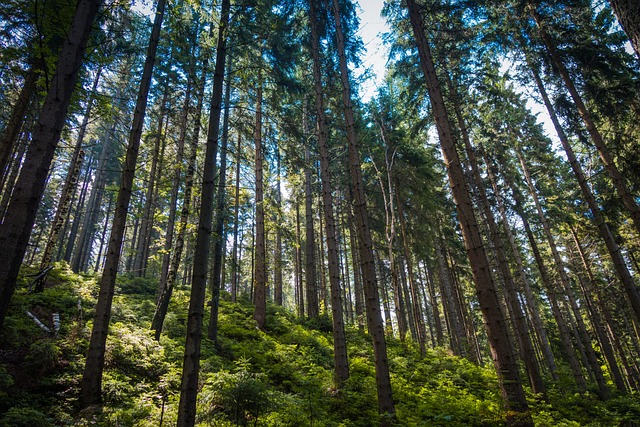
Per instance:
(386,406)
(191,364)
(27,193)
(91,385)
(503,357)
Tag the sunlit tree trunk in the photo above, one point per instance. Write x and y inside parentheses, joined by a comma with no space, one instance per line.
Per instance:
(91,385)
(495,324)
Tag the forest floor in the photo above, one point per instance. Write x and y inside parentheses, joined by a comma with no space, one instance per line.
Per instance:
(280,377)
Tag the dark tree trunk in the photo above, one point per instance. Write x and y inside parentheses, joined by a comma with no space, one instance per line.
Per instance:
(91,385)
(386,406)
(191,364)
(27,193)
(628,13)
(495,325)
(310,241)
(341,364)
(236,216)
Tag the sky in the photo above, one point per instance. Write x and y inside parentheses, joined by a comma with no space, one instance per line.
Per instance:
(372,25)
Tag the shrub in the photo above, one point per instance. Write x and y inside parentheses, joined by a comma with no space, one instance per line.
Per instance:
(24,417)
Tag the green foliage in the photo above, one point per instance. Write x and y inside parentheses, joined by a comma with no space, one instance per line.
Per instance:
(24,417)
(282,377)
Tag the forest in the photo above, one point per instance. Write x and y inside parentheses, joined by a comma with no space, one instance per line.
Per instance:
(203,221)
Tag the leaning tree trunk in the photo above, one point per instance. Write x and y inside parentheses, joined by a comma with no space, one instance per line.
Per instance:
(386,406)
(12,128)
(64,202)
(191,364)
(628,199)
(27,193)
(495,324)
(91,385)
(598,218)
(628,13)
(340,360)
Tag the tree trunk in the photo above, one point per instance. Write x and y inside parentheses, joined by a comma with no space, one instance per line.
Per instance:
(219,233)
(598,218)
(376,328)
(12,129)
(236,216)
(70,181)
(191,364)
(495,325)
(628,13)
(340,361)
(564,281)
(310,241)
(91,385)
(277,251)
(166,288)
(623,191)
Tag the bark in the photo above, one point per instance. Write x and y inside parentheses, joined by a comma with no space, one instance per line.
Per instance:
(12,128)
(236,216)
(615,253)
(495,325)
(298,262)
(91,385)
(628,14)
(260,254)
(628,199)
(374,318)
(310,241)
(219,232)
(566,286)
(70,181)
(27,193)
(340,361)
(166,290)
(191,364)
(10,180)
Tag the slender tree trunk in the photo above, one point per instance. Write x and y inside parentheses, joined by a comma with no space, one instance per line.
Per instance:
(341,364)
(598,324)
(27,193)
(495,325)
(598,218)
(166,290)
(310,241)
(191,364)
(10,179)
(524,279)
(386,406)
(80,259)
(618,180)
(277,252)
(298,266)
(219,232)
(236,216)
(260,273)
(70,181)
(148,210)
(564,280)
(91,385)
(11,131)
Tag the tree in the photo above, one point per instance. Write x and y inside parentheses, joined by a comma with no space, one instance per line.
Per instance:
(503,358)
(628,13)
(91,385)
(27,193)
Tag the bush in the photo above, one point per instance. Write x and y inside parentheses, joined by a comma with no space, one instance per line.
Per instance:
(24,417)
